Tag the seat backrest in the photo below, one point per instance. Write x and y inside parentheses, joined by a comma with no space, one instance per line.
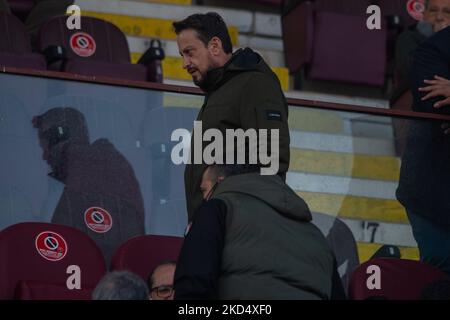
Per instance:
(42,252)
(14,38)
(35,290)
(398,279)
(97,39)
(350,7)
(366,65)
(342,242)
(143,254)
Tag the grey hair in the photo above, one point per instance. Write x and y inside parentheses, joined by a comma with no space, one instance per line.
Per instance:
(121,285)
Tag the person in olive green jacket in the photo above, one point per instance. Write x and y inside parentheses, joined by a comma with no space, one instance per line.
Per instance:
(253,239)
(242,92)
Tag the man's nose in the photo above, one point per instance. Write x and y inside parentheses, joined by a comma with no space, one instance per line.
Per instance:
(186,62)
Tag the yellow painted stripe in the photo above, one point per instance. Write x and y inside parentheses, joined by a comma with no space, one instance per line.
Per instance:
(352,207)
(345,164)
(173,68)
(147,27)
(307,119)
(366,251)
(283,76)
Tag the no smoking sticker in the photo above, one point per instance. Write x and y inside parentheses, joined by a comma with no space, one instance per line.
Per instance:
(83,44)
(98,219)
(51,245)
(416,8)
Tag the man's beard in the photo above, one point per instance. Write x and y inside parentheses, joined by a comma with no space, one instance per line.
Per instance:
(199,83)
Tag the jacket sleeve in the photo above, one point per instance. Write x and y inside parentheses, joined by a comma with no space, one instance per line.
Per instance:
(263,106)
(198,265)
(430,59)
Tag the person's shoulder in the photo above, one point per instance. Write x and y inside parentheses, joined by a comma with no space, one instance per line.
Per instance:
(410,35)
(214,204)
(256,81)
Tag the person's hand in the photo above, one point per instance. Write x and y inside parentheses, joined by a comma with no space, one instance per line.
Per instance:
(436,88)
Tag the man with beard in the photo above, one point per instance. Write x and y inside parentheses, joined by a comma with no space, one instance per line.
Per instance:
(241,90)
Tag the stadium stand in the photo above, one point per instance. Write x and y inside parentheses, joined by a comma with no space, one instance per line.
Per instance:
(400,279)
(15,47)
(345,165)
(98,49)
(309,42)
(35,258)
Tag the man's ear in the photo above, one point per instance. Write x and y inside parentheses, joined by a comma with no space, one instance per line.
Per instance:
(215,46)
(220,179)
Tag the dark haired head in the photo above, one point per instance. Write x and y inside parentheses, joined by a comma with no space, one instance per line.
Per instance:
(207,26)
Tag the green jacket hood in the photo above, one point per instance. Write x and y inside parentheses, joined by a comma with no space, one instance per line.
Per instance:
(242,60)
(269,189)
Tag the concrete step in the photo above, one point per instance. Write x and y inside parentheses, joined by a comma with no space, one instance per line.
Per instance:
(355,207)
(305,123)
(273,57)
(242,19)
(309,182)
(371,167)
(342,143)
(141,26)
(173,69)
(246,21)
(381,232)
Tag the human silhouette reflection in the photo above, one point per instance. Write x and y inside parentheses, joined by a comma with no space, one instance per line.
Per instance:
(101,194)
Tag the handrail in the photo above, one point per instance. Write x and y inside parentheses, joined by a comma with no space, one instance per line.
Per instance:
(191,90)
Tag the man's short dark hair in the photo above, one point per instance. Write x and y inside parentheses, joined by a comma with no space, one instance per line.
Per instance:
(121,285)
(207,26)
(150,276)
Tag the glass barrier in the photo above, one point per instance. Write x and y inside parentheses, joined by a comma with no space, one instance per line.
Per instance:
(345,165)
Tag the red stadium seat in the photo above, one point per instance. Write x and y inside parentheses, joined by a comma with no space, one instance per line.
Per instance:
(322,35)
(34,258)
(99,48)
(399,279)
(15,47)
(144,253)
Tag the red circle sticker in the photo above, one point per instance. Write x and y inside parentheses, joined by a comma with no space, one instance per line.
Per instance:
(416,8)
(82,44)
(98,219)
(51,245)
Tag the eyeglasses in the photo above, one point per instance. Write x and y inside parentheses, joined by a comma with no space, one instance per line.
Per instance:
(163,291)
